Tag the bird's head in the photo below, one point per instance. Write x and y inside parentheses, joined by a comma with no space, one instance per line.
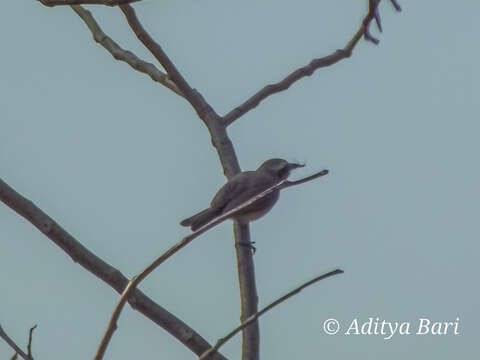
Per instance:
(278,167)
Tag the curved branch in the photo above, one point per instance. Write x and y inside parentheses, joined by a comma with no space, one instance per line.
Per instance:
(254,317)
(80,254)
(304,71)
(51,3)
(123,55)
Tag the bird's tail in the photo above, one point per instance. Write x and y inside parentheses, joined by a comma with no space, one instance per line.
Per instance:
(198,220)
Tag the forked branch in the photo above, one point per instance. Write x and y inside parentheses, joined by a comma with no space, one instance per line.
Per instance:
(309,69)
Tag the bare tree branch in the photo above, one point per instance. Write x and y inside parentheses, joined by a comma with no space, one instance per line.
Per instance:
(15,347)
(123,55)
(51,3)
(198,103)
(30,338)
(212,120)
(254,317)
(217,128)
(133,283)
(80,254)
(302,72)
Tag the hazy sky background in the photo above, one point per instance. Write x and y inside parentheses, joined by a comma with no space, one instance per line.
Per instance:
(118,160)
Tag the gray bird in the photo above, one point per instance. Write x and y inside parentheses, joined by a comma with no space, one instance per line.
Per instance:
(243,187)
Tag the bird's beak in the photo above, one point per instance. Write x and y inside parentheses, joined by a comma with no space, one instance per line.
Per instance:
(292,166)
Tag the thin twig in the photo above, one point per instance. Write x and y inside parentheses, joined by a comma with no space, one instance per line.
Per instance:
(112,276)
(51,3)
(30,338)
(133,283)
(300,73)
(121,54)
(308,178)
(254,317)
(14,346)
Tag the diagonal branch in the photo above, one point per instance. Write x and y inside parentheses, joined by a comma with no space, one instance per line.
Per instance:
(254,317)
(123,55)
(302,72)
(51,3)
(133,283)
(80,254)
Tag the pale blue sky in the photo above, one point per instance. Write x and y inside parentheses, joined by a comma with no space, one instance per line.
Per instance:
(119,160)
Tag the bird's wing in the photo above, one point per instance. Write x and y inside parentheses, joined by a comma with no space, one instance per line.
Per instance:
(242,186)
(233,188)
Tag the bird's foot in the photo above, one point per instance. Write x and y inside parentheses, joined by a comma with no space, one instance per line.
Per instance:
(249,244)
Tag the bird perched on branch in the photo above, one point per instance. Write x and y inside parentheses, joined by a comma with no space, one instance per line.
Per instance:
(243,187)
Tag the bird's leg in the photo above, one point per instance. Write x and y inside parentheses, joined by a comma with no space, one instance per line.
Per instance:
(249,244)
